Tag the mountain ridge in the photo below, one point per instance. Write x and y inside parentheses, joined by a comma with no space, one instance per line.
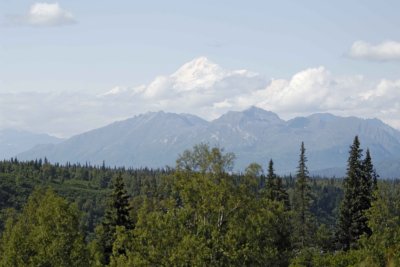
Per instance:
(155,139)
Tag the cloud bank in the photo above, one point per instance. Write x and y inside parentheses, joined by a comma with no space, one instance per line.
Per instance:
(385,51)
(204,88)
(43,15)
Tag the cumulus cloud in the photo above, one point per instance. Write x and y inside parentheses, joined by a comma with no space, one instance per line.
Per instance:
(385,51)
(312,90)
(43,15)
(203,88)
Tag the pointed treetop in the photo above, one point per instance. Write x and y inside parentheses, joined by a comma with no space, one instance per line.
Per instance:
(302,168)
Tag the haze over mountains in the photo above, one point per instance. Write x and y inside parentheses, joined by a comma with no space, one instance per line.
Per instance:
(155,139)
(13,142)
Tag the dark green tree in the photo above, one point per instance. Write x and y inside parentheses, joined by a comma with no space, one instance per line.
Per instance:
(303,219)
(274,187)
(370,181)
(117,214)
(358,186)
(271,182)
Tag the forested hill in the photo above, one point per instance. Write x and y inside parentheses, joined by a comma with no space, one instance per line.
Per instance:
(198,214)
(88,186)
(254,135)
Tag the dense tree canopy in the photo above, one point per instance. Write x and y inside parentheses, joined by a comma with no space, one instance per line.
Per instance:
(46,233)
(199,214)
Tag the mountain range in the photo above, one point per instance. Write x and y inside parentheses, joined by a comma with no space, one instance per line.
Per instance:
(155,139)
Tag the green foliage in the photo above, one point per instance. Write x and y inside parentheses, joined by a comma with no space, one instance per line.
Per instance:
(207,221)
(204,159)
(85,185)
(46,233)
(311,257)
(383,246)
(200,214)
(252,177)
(327,196)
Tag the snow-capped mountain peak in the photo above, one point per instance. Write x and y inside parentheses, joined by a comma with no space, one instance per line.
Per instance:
(200,72)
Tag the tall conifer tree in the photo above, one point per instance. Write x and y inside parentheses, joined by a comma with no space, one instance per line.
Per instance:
(117,214)
(303,219)
(275,190)
(271,181)
(358,191)
(370,175)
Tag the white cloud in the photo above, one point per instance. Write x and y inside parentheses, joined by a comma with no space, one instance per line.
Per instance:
(44,15)
(312,90)
(199,86)
(385,51)
(203,88)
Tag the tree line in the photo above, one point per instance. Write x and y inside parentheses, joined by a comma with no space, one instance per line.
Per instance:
(198,214)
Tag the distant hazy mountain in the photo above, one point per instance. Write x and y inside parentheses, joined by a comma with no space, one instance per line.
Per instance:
(254,135)
(13,142)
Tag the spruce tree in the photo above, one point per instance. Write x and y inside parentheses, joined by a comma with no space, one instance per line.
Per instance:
(275,190)
(370,175)
(117,214)
(358,188)
(282,195)
(367,187)
(303,219)
(271,182)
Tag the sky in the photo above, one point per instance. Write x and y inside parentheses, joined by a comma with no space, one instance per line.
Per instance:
(70,66)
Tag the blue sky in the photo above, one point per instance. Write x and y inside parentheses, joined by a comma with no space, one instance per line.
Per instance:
(99,45)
